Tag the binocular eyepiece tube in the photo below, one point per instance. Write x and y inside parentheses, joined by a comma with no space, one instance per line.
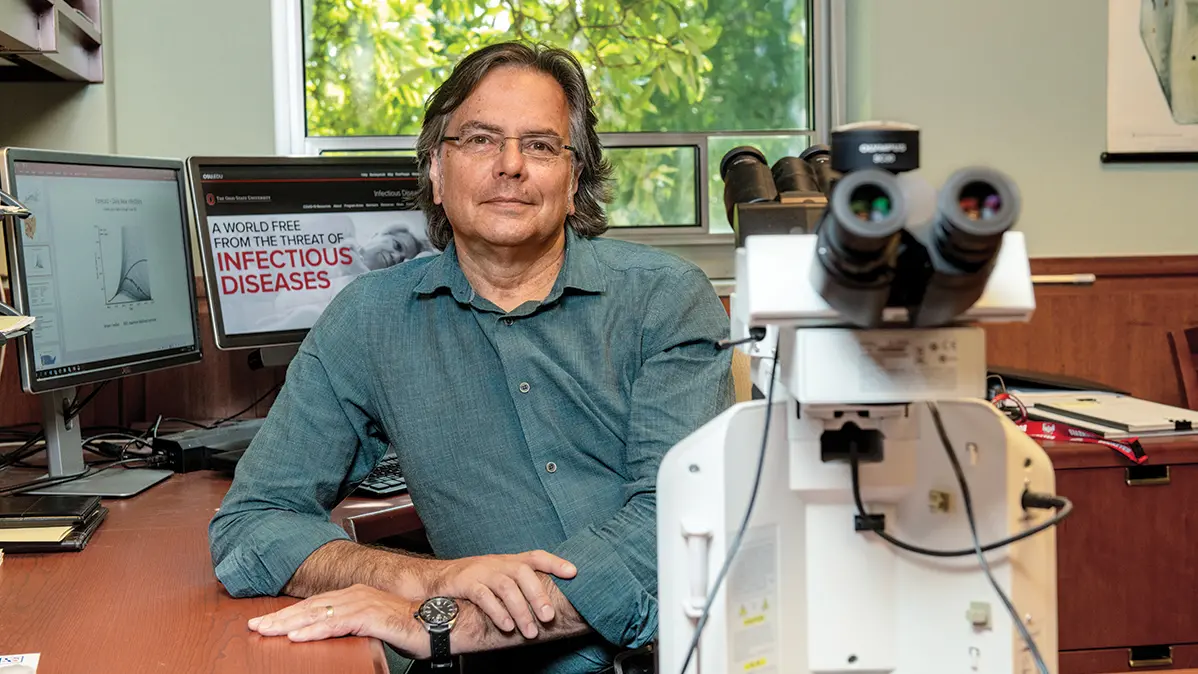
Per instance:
(976,207)
(857,245)
(881,241)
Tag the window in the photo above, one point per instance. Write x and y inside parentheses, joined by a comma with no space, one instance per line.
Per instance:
(677,83)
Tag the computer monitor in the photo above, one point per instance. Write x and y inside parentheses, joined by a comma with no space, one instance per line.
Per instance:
(281,236)
(104,264)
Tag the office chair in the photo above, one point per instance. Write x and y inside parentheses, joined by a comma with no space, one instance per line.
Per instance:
(1184,344)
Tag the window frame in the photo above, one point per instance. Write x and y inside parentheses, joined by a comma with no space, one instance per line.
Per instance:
(710,250)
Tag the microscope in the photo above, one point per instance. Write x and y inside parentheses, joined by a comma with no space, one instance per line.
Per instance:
(872,512)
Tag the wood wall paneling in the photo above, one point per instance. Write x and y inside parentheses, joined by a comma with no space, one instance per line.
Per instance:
(1114,331)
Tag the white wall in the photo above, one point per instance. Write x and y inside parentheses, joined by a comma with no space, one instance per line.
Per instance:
(1020,85)
(55,116)
(192,77)
(181,77)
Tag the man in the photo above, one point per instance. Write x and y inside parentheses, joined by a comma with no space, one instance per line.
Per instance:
(530,378)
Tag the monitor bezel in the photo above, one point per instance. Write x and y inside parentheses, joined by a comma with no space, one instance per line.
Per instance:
(139,364)
(259,340)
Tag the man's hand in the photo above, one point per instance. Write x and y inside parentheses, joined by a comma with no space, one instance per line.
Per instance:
(366,611)
(359,610)
(505,587)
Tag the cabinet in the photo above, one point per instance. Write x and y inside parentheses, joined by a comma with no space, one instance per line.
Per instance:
(51,40)
(1127,558)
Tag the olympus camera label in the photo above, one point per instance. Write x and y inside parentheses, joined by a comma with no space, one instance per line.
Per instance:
(875,148)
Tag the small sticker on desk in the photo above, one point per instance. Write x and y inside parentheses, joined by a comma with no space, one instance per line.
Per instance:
(19,664)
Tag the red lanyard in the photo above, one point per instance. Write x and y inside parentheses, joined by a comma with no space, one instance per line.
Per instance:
(1049,430)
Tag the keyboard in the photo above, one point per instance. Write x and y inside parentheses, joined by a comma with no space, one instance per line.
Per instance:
(384,480)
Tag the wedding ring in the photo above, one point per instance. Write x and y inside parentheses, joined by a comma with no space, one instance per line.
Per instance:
(328,612)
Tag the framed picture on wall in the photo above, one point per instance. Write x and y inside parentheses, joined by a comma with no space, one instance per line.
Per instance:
(1152,81)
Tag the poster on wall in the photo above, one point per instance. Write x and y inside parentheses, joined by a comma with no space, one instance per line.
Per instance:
(1152,80)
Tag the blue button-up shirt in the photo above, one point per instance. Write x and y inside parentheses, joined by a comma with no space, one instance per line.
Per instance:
(538,428)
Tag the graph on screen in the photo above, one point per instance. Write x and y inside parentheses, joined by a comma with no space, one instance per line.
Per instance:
(125,267)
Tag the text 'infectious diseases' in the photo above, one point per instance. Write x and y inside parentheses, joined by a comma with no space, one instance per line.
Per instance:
(268,256)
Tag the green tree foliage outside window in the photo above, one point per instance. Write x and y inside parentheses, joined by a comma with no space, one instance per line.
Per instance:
(678,66)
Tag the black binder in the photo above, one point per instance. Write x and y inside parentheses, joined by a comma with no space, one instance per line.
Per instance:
(26,511)
(74,542)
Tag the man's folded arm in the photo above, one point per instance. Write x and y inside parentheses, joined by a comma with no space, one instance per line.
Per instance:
(684,382)
(317,442)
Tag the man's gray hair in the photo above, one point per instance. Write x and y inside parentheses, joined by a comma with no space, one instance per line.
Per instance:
(589,218)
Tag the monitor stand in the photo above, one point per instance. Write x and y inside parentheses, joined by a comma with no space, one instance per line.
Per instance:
(272,356)
(64,453)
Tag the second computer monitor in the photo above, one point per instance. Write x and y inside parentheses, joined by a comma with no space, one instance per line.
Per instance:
(281,236)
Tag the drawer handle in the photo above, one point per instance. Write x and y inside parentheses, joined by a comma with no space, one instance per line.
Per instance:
(1150,656)
(1144,476)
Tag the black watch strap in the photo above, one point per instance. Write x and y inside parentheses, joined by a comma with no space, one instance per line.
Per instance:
(441,659)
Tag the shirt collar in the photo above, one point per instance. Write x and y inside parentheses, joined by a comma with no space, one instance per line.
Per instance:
(581,271)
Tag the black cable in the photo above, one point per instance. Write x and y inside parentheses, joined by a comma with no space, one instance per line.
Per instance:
(31,445)
(1065,508)
(23,452)
(220,422)
(55,481)
(249,407)
(744,524)
(755,335)
(77,407)
(189,422)
(977,546)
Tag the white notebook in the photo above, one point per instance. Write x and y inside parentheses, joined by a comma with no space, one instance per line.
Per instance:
(1112,412)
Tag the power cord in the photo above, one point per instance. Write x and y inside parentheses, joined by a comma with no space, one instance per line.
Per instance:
(744,524)
(1028,500)
(41,482)
(231,417)
(875,524)
(31,446)
(977,546)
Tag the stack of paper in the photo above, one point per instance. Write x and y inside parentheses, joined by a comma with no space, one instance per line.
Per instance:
(10,325)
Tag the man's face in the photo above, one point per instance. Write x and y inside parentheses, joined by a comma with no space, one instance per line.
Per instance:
(507,199)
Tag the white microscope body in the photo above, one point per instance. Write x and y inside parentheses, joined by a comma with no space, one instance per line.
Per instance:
(806,593)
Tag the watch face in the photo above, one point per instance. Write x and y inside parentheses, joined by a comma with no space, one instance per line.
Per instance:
(439,611)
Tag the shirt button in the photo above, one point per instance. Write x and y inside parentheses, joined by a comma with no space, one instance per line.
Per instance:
(524,387)
(551,467)
(507,321)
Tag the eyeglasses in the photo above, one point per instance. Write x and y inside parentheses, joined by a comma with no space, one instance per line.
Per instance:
(541,147)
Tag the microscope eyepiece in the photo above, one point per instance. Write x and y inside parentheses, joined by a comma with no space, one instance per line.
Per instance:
(857,245)
(747,179)
(976,207)
(819,158)
(792,174)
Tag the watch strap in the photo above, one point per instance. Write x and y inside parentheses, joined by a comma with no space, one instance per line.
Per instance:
(439,636)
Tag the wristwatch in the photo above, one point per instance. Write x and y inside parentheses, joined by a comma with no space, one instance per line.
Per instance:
(438,615)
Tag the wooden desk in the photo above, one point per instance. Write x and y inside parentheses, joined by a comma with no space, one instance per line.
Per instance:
(142,596)
(1127,565)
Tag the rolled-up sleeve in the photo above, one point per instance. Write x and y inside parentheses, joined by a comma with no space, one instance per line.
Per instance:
(683,382)
(318,441)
